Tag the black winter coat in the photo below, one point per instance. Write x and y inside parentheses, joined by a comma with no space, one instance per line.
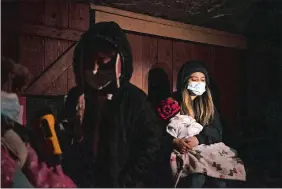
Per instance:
(129,134)
(134,140)
(130,142)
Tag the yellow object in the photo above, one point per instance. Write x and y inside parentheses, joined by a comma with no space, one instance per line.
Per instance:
(47,123)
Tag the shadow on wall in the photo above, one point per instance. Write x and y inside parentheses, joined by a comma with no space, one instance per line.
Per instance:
(158,86)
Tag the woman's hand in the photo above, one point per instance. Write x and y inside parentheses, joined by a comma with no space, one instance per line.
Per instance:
(192,142)
(180,145)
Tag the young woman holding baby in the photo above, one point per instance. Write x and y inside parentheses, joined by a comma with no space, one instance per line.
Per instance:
(194,100)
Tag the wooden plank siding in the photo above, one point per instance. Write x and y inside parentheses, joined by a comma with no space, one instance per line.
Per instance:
(224,65)
(137,54)
(57,26)
(165,58)
(149,57)
(57,70)
(40,32)
(166,28)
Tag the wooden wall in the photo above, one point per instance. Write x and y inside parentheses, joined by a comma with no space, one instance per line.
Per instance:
(38,32)
(223,63)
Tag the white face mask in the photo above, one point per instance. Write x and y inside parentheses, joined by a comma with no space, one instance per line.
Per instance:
(10,106)
(197,88)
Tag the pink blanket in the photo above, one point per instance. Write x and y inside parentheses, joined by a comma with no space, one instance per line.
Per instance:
(216,160)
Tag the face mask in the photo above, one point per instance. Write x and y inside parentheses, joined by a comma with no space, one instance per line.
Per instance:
(197,88)
(10,106)
(99,79)
(107,74)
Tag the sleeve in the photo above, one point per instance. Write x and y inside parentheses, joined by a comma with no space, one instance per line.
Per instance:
(173,127)
(211,133)
(145,148)
(183,126)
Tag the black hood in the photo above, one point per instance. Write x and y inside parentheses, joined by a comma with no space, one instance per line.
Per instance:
(104,32)
(187,69)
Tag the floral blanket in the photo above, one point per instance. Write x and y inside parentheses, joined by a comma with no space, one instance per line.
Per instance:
(216,160)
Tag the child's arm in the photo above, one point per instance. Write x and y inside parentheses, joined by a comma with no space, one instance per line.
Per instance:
(173,127)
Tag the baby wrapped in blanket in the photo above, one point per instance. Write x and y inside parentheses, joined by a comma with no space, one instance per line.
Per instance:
(215,160)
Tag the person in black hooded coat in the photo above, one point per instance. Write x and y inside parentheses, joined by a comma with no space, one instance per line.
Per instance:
(120,131)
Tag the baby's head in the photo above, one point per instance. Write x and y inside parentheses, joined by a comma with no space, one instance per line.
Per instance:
(168,108)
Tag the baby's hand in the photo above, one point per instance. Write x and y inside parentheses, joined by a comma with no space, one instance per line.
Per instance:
(180,145)
(192,142)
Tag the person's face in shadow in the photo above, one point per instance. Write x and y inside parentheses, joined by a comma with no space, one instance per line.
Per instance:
(100,68)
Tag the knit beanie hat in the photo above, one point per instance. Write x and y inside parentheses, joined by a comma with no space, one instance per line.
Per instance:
(189,68)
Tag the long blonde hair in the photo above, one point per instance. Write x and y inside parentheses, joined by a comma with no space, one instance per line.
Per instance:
(201,108)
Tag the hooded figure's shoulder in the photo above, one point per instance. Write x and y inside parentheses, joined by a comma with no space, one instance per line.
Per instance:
(132,100)
(133,92)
